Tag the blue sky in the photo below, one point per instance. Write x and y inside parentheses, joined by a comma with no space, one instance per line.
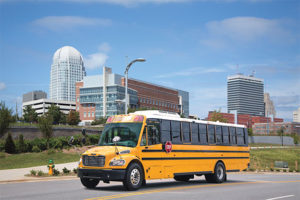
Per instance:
(191,45)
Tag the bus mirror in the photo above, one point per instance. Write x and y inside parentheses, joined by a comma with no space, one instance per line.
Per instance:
(116,139)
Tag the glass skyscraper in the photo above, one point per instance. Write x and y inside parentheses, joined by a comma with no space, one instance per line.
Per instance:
(67,68)
(245,94)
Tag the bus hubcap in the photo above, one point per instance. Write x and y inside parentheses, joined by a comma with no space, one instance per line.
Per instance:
(220,172)
(135,177)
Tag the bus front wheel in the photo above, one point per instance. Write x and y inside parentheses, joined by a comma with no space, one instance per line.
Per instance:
(219,176)
(134,177)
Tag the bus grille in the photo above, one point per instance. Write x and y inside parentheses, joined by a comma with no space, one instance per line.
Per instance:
(96,161)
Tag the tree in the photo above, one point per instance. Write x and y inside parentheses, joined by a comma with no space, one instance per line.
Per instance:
(55,113)
(217,116)
(45,126)
(101,120)
(21,144)
(30,115)
(73,117)
(250,131)
(5,118)
(10,146)
(296,138)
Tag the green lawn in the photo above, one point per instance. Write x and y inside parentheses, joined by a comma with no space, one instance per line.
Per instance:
(262,145)
(264,158)
(35,159)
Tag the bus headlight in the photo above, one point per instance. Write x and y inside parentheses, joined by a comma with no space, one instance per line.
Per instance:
(117,162)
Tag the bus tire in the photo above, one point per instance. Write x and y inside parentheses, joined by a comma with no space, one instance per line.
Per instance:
(134,177)
(219,176)
(89,183)
(184,178)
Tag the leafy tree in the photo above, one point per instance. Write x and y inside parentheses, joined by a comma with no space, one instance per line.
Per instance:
(55,113)
(73,117)
(45,126)
(296,138)
(30,115)
(63,119)
(5,118)
(250,131)
(10,146)
(101,120)
(217,116)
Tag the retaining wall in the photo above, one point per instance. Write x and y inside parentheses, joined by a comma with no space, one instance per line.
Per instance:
(271,140)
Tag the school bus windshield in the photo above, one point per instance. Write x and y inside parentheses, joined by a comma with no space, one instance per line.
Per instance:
(128,133)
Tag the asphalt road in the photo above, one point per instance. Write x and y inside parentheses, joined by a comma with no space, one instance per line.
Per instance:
(239,186)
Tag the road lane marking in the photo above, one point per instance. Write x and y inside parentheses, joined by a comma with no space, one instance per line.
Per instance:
(282,197)
(180,188)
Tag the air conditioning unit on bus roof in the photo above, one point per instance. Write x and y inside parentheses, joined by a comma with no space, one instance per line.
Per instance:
(157,112)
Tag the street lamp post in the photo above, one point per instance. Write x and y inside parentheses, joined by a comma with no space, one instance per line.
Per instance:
(126,80)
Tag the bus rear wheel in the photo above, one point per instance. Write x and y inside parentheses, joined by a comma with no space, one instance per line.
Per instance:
(219,176)
(89,183)
(184,178)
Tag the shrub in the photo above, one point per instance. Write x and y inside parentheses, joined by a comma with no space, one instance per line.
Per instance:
(2,145)
(251,169)
(36,149)
(33,172)
(291,170)
(284,170)
(75,170)
(28,146)
(65,170)
(271,169)
(94,139)
(40,173)
(2,155)
(10,146)
(56,172)
(277,170)
(21,144)
(51,151)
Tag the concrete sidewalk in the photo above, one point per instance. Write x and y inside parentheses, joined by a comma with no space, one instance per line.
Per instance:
(19,174)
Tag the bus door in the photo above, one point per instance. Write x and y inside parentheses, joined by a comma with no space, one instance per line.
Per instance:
(151,150)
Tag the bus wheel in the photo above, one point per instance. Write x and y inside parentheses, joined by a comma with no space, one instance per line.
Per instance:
(89,183)
(134,177)
(184,178)
(219,176)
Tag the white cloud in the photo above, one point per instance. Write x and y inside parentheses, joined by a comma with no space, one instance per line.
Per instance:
(191,72)
(62,23)
(2,86)
(243,29)
(98,59)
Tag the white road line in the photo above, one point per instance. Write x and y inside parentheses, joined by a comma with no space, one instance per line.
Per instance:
(287,196)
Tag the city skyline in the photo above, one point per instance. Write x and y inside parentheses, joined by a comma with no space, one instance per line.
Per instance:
(189,45)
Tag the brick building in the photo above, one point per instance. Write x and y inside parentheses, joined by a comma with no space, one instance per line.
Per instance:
(103,95)
(273,127)
(247,120)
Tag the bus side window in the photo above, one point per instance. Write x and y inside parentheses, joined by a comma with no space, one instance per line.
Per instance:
(175,127)
(246,136)
(211,134)
(186,131)
(232,135)
(203,133)
(144,138)
(195,133)
(225,134)
(240,136)
(218,135)
(165,131)
(153,135)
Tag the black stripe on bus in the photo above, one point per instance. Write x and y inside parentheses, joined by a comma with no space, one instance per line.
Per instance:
(233,170)
(191,158)
(205,151)
(192,173)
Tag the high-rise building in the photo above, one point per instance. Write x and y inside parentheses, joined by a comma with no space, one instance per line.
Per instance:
(67,68)
(34,95)
(269,106)
(296,115)
(245,94)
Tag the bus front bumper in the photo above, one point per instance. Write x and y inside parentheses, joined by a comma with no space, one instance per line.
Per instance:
(105,175)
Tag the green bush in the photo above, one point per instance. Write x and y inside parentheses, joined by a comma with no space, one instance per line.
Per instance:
(75,170)
(284,170)
(2,145)
(291,170)
(10,146)
(277,170)
(36,149)
(21,144)
(251,169)
(65,170)
(271,169)
(33,172)
(55,172)
(94,139)
(40,173)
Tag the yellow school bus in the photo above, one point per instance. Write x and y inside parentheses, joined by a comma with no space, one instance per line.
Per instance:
(150,145)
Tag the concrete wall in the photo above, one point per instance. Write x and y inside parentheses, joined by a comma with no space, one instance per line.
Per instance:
(33,132)
(271,140)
